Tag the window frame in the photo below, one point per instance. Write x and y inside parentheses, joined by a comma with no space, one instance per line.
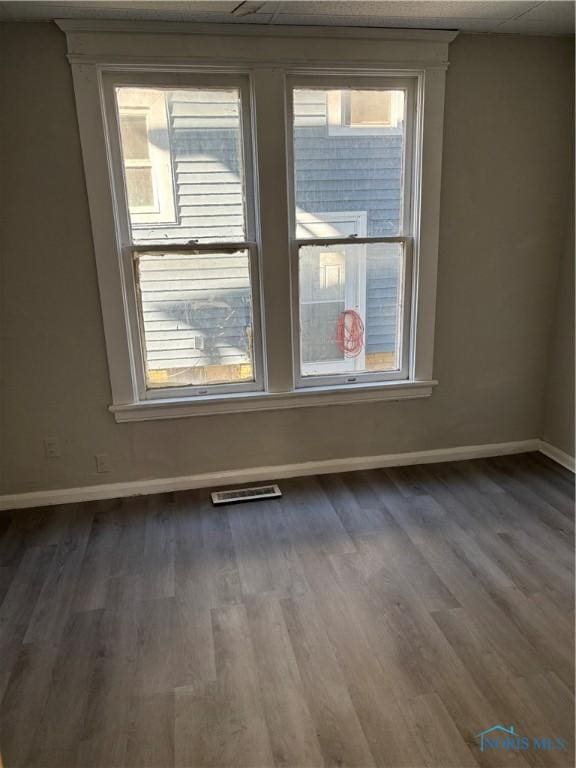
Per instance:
(412,86)
(268,55)
(129,248)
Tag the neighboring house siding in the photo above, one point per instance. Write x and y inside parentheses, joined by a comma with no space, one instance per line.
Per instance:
(201,317)
(195,309)
(207,157)
(334,173)
(381,304)
(346,173)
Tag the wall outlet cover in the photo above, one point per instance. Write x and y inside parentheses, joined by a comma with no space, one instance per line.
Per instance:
(102,462)
(51,447)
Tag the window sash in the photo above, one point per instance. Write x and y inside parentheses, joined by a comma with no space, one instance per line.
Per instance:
(362,82)
(406,237)
(206,390)
(352,377)
(129,249)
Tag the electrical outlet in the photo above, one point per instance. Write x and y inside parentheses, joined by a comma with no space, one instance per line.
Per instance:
(102,462)
(51,447)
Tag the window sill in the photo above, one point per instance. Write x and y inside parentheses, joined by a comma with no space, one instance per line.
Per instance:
(183,407)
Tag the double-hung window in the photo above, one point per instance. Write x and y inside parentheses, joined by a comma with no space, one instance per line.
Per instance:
(193,272)
(265,217)
(353,219)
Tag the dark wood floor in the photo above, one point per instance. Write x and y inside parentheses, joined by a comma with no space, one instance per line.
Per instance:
(372,618)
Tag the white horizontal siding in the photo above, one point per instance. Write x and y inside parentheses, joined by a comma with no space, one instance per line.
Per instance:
(195,309)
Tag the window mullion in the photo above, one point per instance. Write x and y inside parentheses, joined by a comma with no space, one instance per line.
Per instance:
(270,122)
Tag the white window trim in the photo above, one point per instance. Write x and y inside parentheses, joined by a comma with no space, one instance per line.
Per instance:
(271,401)
(267,55)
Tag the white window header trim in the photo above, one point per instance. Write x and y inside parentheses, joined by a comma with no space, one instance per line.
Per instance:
(237,30)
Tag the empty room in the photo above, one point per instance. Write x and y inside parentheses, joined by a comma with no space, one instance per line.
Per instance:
(287,384)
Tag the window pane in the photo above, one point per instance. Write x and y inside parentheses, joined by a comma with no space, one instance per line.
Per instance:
(319,324)
(350,308)
(194,142)
(134,133)
(197,318)
(354,171)
(371,108)
(140,187)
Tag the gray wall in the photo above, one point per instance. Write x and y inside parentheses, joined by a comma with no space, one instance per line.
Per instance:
(558,429)
(504,214)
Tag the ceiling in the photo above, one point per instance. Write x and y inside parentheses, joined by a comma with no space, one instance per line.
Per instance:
(550,17)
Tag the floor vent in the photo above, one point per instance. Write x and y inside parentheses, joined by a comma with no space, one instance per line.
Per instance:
(245,494)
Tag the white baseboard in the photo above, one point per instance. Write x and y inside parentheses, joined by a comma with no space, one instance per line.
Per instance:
(258,474)
(558,456)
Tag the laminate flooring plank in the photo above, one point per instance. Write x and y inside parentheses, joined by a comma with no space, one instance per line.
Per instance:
(356,517)
(435,732)
(59,734)
(407,481)
(394,550)
(26,587)
(128,556)
(267,559)
(361,491)
(94,574)
(387,625)
(206,566)
(56,598)
(206,577)
(43,526)
(311,518)
(340,735)
(291,729)
(150,742)
(536,481)
(223,723)
(559,476)
(472,472)
(158,574)
(551,570)
(518,707)
(161,664)
(552,641)
(23,705)
(561,524)
(108,721)
(12,538)
(7,573)
(370,684)
(555,701)
(18,607)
